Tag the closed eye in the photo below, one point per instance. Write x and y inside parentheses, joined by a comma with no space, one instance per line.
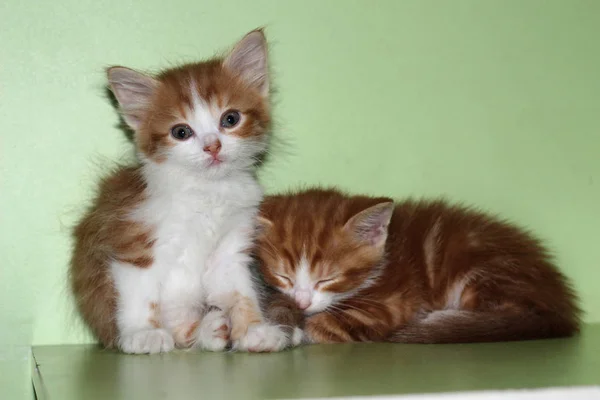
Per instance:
(285,279)
(323,282)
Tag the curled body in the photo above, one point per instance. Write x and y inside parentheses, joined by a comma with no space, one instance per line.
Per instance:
(368,269)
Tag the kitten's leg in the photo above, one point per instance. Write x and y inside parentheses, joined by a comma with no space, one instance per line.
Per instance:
(250,332)
(182,306)
(231,288)
(138,319)
(214,331)
(185,313)
(282,310)
(209,331)
(298,337)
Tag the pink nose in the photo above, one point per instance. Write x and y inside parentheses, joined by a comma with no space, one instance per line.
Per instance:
(303,299)
(213,148)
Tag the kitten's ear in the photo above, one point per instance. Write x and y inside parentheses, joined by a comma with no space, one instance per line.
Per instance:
(133,91)
(249,60)
(370,226)
(263,225)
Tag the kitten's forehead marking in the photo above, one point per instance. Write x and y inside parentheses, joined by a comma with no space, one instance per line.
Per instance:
(303,280)
(203,118)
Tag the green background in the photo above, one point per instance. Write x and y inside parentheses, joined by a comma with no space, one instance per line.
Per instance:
(495,103)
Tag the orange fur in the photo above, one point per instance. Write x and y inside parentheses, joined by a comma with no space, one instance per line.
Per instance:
(185,334)
(448,273)
(155,317)
(243,313)
(216,85)
(103,233)
(107,231)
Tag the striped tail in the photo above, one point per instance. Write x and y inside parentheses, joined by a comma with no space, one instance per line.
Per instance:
(457,326)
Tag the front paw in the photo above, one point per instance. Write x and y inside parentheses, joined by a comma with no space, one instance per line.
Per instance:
(298,337)
(214,331)
(147,342)
(262,338)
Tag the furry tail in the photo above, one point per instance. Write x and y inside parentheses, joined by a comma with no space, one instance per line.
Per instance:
(456,326)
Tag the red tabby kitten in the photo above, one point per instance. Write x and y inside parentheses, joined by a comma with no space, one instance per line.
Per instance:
(364,269)
(161,259)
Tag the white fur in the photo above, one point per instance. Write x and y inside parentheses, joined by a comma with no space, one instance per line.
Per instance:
(261,338)
(304,292)
(203,219)
(437,316)
(454,296)
(297,337)
(147,341)
(209,335)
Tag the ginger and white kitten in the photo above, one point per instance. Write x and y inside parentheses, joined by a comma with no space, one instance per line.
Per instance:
(365,269)
(161,258)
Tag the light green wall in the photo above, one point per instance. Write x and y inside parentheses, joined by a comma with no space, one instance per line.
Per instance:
(494,102)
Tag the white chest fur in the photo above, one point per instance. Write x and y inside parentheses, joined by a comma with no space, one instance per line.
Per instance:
(189,216)
(200,227)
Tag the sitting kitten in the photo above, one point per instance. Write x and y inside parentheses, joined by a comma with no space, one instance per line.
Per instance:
(364,269)
(161,259)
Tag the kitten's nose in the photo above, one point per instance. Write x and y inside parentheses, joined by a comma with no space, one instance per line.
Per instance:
(213,148)
(303,299)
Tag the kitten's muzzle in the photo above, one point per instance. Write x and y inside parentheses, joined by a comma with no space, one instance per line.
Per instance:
(213,148)
(303,298)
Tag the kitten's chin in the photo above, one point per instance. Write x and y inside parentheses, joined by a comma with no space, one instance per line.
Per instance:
(214,168)
(213,163)
(224,166)
(214,171)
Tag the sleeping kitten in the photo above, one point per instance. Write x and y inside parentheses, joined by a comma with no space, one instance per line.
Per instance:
(364,269)
(161,258)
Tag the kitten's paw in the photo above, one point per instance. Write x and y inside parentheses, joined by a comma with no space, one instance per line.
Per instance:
(185,334)
(147,342)
(214,331)
(297,337)
(262,338)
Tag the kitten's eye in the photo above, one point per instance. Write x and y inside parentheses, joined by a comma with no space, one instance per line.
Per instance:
(286,279)
(230,119)
(323,282)
(181,132)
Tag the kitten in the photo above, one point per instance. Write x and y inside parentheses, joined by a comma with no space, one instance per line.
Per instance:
(364,269)
(161,259)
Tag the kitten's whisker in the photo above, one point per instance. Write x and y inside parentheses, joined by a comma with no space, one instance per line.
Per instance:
(339,312)
(367,301)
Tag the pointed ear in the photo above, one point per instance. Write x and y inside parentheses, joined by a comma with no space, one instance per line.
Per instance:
(248,59)
(263,225)
(133,91)
(370,226)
